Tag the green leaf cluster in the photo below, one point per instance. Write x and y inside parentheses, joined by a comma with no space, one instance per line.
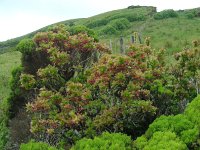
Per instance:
(106,141)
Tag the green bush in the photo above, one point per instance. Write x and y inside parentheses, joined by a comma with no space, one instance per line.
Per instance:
(166,14)
(136,17)
(131,17)
(26,46)
(107,141)
(160,141)
(108,29)
(36,146)
(193,111)
(190,15)
(16,96)
(120,24)
(97,23)
(57,109)
(126,117)
(115,25)
(83,29)
(184,127)
(178,124)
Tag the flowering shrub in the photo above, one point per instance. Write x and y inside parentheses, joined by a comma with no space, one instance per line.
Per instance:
(72,93)
(130,117)
(53,58)
(186,75)
(139,75)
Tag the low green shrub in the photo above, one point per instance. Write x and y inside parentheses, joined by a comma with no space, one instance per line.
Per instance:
(97,23)
(136,17)
(190,15)
(126,118)
(104,21)
(193,111)
(120,24)
(108,29)
(176,131)
(36,146)
(130,16)
(16,96)
(166,14)
(107,141)
(114,26)
(83,29)
(160,141)
(178,124)
(26,46)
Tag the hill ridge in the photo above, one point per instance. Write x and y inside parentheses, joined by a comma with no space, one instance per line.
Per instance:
(139,18)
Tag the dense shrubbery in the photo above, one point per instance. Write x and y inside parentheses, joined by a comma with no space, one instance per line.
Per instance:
(63,56)
(190,14)
(172,132)
(184,130)
(166,14)
(74,94)
(108,29)
(115,26)
(65,108)
(185,79)
(97,23)
(186,75)
(107,141)
(16,97)
(120,24)
(83,29)
(179,124)
(131,17)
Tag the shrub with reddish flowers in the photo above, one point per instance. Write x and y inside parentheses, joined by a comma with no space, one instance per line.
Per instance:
(186,75)
(75,89)
(55,103)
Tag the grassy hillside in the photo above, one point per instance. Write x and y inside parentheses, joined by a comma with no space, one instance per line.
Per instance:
(8,62)
(168,32)
(98,23)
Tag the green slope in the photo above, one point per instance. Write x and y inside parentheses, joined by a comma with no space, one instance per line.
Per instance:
(8,61)
(170,33)
(140,13)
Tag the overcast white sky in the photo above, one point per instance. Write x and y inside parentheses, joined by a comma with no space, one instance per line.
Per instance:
(19,17)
